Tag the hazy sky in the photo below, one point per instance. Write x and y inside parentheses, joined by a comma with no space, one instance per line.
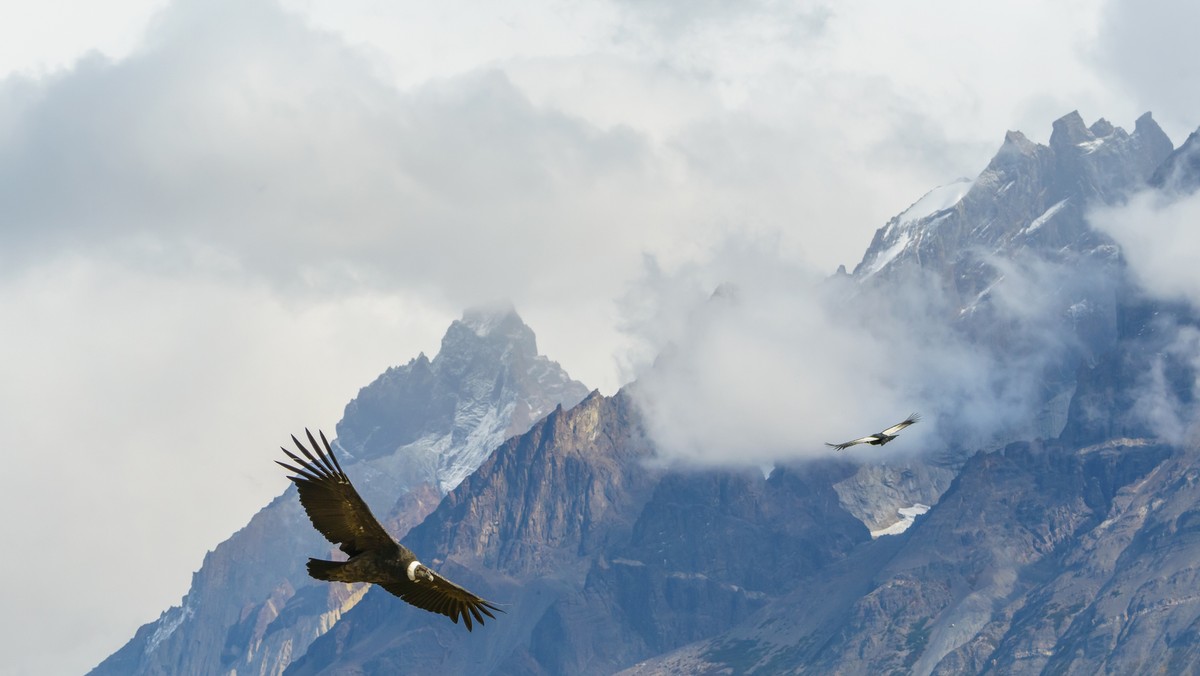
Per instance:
(220,218)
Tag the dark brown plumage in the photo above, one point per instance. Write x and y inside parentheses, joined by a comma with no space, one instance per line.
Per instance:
(880,438)
(341,515)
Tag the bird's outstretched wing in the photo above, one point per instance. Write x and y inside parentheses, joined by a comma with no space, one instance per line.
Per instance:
(848,444)
(444,597)
(332,504)
(901,425)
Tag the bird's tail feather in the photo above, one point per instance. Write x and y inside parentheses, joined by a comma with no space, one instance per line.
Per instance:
(325,570)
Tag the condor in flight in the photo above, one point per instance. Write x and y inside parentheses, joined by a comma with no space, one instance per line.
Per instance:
(880,438)
(336,509)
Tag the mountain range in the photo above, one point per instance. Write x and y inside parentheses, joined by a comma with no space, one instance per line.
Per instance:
(1062,541)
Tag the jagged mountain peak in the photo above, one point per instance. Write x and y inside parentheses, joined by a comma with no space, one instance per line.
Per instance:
(1016,143)
(1030,196)
(1070,129)
(487,367)
(406,439)
(494,330)
(1180,172)
(499,317)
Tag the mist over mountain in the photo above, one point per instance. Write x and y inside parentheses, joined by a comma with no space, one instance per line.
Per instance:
(1064,545)
(1057,372)
(976,304)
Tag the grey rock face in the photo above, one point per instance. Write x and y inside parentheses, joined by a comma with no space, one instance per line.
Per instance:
(876,492)
(1018,238)
(1075,555)
(1072,555)
(1030,196)
(599,559)
(437,420)
(413,432)
(1180,173)
(967,588)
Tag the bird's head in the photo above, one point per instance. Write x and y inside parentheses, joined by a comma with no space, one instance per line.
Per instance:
(418,572)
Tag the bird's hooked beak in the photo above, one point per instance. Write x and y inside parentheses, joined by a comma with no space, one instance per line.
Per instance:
(418,572)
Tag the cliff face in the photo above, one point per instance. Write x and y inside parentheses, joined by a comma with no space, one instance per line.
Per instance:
(1019,555)
(1030,198)
(436,421)
(416,429)
(1067,545)
(599,558)
(1072,555)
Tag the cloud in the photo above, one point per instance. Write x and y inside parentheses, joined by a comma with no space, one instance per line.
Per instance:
(1158,237)
(776,362)
(1157,232)
(140,413)
(239,141)
(1167,389)
(1151,49)
(270,149)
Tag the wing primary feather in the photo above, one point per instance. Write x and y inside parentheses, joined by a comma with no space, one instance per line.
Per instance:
(321,454)
(306,475)
(912,419)
(306,465)
(330,449)
(313,461)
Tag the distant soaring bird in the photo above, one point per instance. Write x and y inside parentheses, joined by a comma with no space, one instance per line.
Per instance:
(880,438)
(336,509)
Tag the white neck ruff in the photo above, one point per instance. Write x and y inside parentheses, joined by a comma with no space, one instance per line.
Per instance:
(412,571)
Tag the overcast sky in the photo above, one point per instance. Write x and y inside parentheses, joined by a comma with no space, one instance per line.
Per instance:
(220,218)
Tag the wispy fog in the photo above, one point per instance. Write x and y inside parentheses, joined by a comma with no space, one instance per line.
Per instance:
(778,361)
(1159,237)
(1159,234)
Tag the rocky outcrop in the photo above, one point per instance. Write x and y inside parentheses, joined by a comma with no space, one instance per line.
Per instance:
(434,421)
(1180,172)
(876,492)
(1069,546)
(1077,555)
(1030,197)
(417,429)
(963,583)
(599,558)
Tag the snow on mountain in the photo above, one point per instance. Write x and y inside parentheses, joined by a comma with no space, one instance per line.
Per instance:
(1030,197)
(434,421)
(1045,217)
(936,200)
(899,231)
(908,516)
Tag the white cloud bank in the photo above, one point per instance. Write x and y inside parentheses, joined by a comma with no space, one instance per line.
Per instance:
(1159,236)
(778,362)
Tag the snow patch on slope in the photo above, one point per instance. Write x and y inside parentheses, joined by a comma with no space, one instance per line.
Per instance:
(900,231)
(908,515)
(939,199)
(167,624)
(489,429)
(1046,216)
(889,254)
